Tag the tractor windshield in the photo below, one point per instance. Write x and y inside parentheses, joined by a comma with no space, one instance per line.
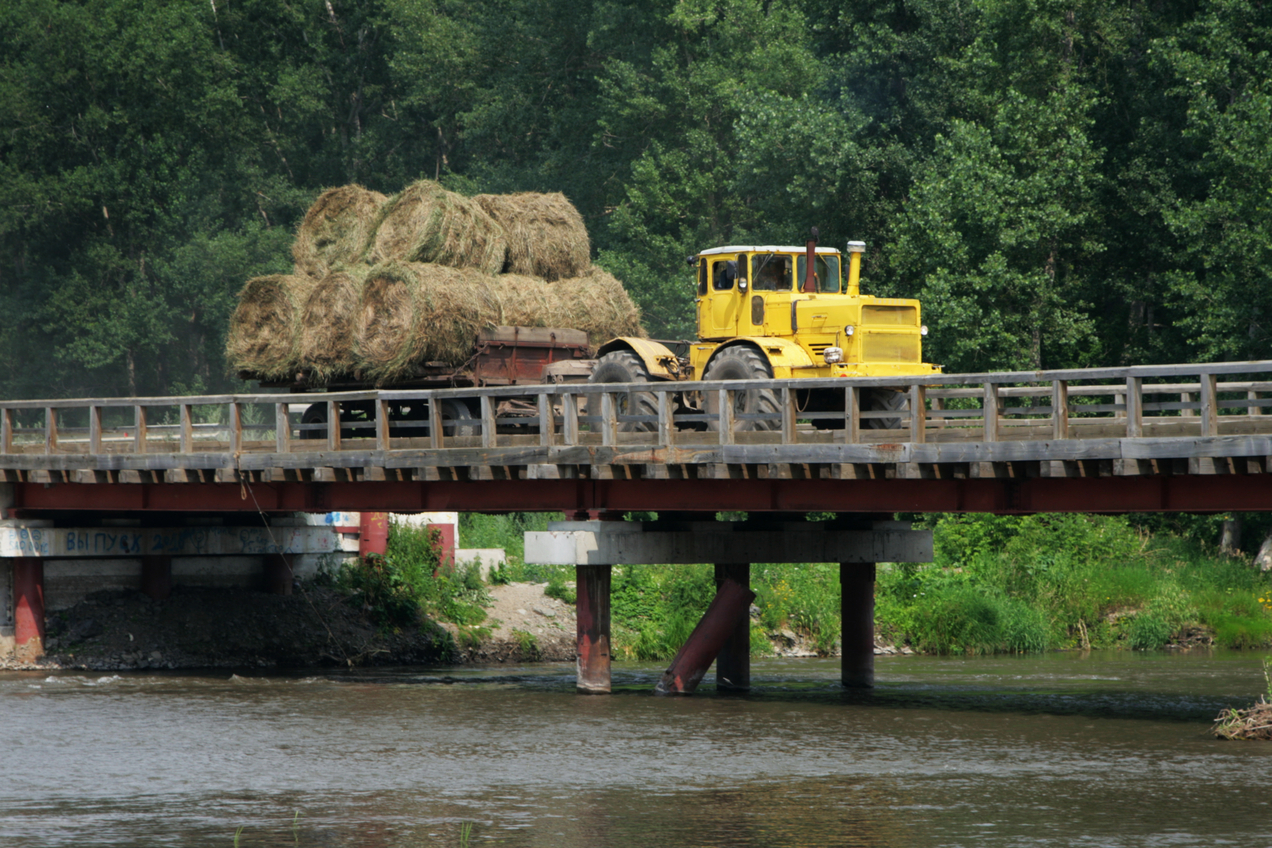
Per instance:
(825,270)
(770,272)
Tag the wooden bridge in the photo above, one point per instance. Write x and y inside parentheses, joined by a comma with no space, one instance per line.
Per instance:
(1152,438)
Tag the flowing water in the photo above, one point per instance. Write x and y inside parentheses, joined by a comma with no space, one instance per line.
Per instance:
(1056,750)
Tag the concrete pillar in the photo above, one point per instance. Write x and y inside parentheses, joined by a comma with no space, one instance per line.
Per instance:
(278,574)
(856,582)
(373,537)
(445,545)
(593,613)
(156,576)
(28,613)
(733,664)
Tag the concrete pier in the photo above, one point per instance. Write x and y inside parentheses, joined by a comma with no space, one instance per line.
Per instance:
(856,603)
(28,608)
(733,663)
(857,545)
(593,615)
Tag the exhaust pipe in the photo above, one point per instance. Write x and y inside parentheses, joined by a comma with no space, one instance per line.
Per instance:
(810,277)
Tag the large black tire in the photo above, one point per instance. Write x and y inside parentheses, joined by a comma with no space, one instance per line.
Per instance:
(743,363)
(885,400)
(624,366)
(315,413)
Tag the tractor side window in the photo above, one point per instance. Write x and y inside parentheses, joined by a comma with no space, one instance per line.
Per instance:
(770,272)
(702,277)
(722,275)
(826,269)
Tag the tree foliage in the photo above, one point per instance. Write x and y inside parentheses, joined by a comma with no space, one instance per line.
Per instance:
(1062,182)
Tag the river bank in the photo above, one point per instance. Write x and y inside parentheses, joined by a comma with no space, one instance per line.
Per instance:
(317,627)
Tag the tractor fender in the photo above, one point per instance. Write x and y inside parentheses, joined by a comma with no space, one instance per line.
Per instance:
(659,360)
(783,355)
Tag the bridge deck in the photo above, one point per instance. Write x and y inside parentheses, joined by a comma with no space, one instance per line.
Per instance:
(1153,421)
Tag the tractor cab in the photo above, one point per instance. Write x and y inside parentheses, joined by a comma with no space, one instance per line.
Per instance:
(806,321)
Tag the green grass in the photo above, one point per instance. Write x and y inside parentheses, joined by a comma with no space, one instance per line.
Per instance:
(998,584)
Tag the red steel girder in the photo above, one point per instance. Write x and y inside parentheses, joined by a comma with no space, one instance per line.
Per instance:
(1184,493)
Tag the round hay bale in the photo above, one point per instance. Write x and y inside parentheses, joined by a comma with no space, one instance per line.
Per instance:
(412,313)
(545,233)
(427,223)
(336,229)
(326,327)
(597,303)
(264,336)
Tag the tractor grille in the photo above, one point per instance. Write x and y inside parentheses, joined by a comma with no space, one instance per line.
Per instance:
(890,347)
(889,316)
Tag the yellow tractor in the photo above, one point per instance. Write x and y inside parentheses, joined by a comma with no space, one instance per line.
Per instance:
(766,312)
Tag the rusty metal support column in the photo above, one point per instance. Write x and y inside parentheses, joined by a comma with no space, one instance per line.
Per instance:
(733,664)
(156,577)
(593,613)
(28,607)
(718,623)
(278,573)
(856,604)
(373,535)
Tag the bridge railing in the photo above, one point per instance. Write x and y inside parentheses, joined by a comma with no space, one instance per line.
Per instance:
(660,422)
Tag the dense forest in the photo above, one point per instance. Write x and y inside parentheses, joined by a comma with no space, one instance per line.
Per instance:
(1062,182)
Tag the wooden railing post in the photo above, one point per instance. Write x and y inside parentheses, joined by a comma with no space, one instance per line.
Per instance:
(1253,395)
(852,415)
(435,431)
(788,416)
(725,420)
(1134,407)
(570,419)
(1187,397)
(6,430)
(282,429)
(187,429)
(666,426)
(236,427)
(94,429)
(991,411)
(333,425)
(1059,409)
(487,422)
(918,413)
(1209,406)
(139,429)
(50,429)
(382,431)
(609,420)
(547,426)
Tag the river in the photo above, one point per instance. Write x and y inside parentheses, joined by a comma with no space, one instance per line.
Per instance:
(1107,749)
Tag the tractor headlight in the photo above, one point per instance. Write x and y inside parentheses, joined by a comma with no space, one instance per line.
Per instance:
(833,355)
(923,330)
(849,330)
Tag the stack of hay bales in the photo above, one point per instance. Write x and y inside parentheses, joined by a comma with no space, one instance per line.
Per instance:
(383,284)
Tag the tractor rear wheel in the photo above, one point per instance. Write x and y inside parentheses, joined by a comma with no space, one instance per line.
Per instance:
(624,366)
(885,400)
(743,363)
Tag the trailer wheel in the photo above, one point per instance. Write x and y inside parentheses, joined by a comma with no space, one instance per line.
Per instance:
(457,418)
(315,413)
(623,366)
(743,363)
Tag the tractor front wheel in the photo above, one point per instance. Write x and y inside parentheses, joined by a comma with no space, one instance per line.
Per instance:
(743,363)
